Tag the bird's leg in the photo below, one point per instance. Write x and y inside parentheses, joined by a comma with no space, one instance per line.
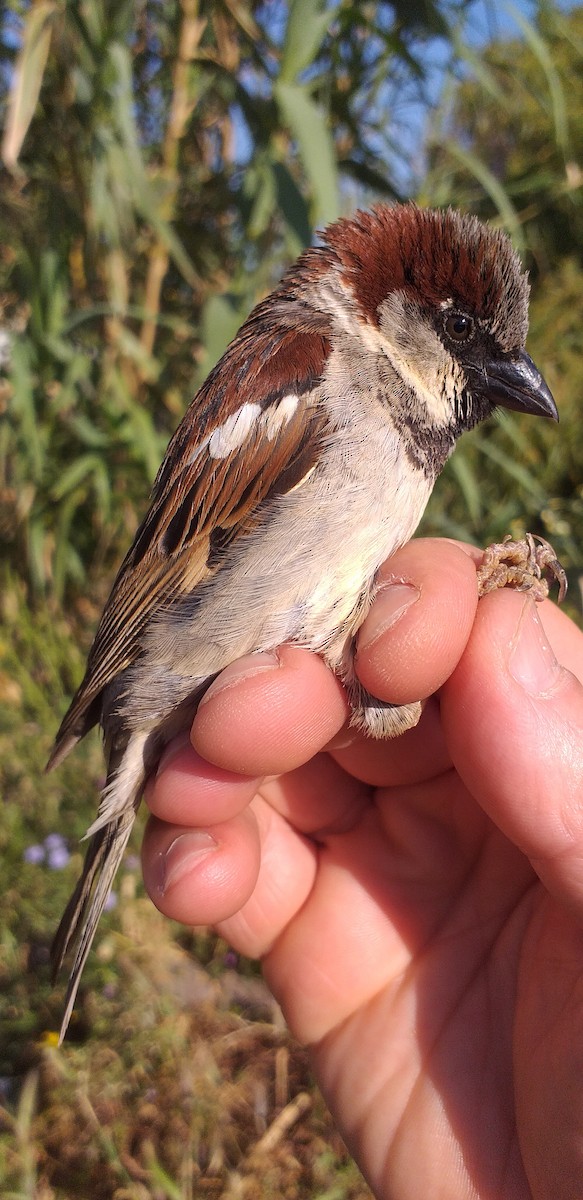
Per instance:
(530,565)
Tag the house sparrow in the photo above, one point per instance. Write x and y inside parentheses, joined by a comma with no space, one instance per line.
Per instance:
(306,459)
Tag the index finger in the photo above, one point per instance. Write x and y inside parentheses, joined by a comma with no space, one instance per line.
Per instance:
(267,715)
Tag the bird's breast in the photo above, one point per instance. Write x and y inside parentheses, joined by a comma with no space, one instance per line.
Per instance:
(306,569)
(305,573)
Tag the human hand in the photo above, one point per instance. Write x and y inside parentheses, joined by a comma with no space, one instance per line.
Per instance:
(418,904)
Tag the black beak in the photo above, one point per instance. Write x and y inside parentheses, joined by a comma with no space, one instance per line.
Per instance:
(516,383)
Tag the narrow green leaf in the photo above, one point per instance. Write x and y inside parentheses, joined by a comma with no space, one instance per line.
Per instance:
(23,408)
(221,318)
(292,205)
(543,55)
(131,346)
(263,202)
(467,482)
(122,171)
(491,185)
(307,122)
(515,470)
(76,473)
(480,70)
(308,21)
(369,176)
(28,77)
(145,441)
(88,433)
(518,433)
(35,548)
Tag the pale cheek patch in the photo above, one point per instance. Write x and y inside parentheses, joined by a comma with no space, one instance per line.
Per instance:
(234,431)
(417,354)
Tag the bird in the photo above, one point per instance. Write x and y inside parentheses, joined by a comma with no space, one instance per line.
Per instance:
(305,460)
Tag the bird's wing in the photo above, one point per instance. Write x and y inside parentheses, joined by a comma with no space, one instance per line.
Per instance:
(253,432)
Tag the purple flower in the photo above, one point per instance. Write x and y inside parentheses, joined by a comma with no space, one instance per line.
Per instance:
(54,841)
(53,851)
(34,854)
(58,857)
(111,902)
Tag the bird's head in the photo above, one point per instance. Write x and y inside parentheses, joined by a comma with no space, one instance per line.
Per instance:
(445,299)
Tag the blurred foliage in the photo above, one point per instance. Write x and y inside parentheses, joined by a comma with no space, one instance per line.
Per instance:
(507,143)
(161,164)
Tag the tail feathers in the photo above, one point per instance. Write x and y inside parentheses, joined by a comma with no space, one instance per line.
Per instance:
(86,905)
(109,836)
(74,914)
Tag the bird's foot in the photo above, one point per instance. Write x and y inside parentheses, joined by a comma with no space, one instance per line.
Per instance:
(530,565)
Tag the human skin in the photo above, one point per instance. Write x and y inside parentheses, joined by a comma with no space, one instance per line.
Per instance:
(417,904)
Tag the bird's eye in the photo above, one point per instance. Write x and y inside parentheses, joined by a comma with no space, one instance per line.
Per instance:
(459,327)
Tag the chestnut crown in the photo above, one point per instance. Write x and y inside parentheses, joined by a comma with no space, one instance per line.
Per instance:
(435,257)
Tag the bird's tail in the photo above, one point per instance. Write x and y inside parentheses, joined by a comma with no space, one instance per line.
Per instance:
(109,837)
(81,916)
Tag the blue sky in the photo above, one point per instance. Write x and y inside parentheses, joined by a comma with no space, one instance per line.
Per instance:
(484,22)
(487,21)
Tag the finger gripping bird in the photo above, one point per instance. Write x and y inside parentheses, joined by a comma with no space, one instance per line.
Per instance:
(304,461)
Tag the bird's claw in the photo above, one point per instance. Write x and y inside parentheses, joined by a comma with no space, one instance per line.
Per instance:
(530,565)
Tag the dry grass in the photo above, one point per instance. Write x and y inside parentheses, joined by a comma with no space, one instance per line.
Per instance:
(175,1082)
(178,1078)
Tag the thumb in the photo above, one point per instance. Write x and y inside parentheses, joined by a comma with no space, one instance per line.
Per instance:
(513,717)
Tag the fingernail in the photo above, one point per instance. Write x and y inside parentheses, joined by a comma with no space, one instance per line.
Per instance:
(244,668)
(182,855)
(172,750)
(391,603)
(531,661)
(342,740)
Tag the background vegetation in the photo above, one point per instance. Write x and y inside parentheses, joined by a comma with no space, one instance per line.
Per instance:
(161,162)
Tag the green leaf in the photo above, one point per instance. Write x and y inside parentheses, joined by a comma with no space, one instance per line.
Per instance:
(146,443)
(263,202)
(498,194)
(308,21)
(35,550)
(221,318)
(514,469)
(28,77)
(369,176)
(122,175)
(482,73)
(292,205)
(88,433)
(307,122)
(78,472)
(467,482)
(542,54)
